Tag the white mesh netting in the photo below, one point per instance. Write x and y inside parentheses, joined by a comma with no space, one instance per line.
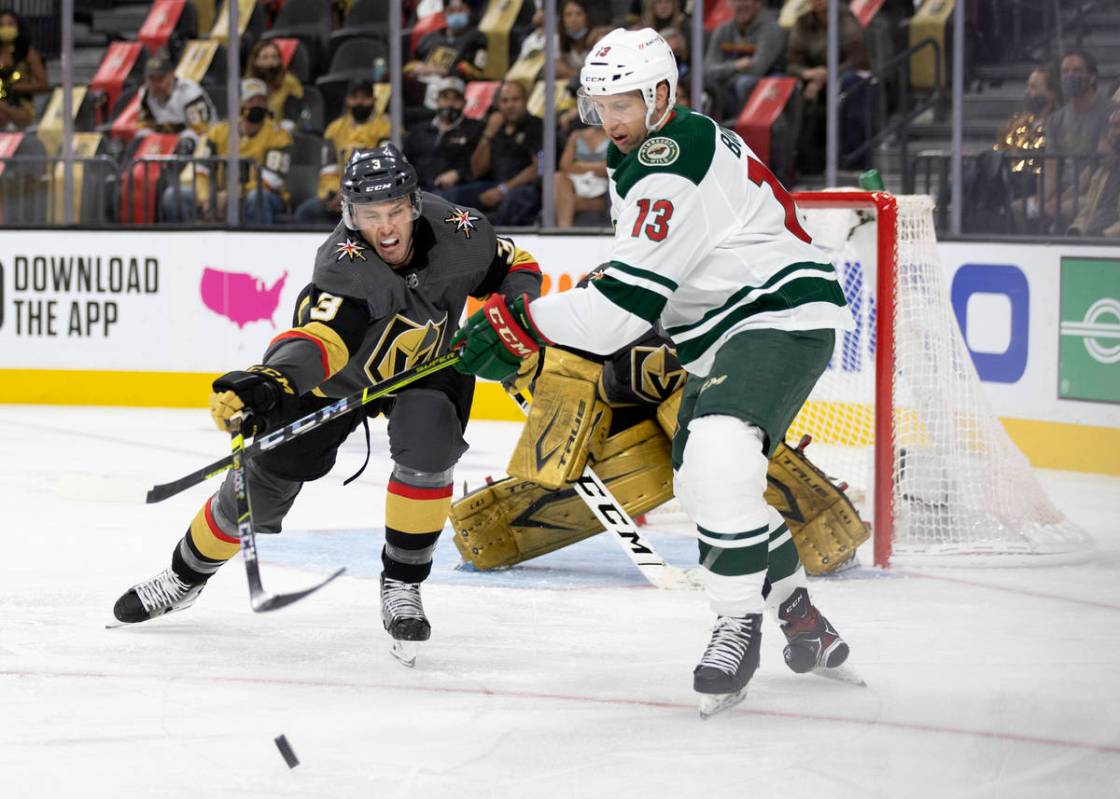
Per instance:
(960,486)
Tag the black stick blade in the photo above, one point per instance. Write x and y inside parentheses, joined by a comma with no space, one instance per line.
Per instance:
(262,603)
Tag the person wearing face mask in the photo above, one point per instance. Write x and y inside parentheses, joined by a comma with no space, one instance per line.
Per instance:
(1026,130)
(265,150)
(22,74)
(285,92)
(359,128)
(460,50)
(441,149)
(1073,130)
(1099,213)
(576,36)
(505,163)
(993,178)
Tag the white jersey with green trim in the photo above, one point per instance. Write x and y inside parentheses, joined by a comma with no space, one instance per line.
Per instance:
(706,240)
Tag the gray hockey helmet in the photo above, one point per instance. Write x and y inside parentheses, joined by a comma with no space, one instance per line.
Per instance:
(375,176)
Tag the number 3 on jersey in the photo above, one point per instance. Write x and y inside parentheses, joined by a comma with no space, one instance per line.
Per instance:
(658,227)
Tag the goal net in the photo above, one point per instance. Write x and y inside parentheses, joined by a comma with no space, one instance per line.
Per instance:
(900,414)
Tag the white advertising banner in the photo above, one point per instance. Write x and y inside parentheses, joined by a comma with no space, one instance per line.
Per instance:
(210,301)
(146,301)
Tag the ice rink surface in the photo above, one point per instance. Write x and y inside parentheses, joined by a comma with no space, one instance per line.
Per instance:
(567,677)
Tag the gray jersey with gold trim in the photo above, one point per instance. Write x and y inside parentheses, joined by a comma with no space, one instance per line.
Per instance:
(362,321)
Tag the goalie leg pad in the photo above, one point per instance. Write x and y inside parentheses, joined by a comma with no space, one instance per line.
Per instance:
(565,422)
(826,528)
(668,411)
(514,520)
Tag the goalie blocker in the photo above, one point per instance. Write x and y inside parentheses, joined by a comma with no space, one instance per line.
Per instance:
(619,418)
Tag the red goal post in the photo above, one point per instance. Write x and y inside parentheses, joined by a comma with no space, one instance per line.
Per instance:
(886,249)
(915,437)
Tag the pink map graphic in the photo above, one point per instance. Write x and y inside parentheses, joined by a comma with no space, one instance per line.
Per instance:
(239,296)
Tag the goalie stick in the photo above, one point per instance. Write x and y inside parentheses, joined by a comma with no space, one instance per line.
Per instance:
(614,518)
(303,425)
(260,600)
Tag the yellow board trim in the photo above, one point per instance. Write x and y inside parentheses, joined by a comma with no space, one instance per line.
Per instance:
(1048,445)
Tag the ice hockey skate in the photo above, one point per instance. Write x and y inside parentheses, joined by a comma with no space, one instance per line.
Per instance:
(402,613)
(728,663)
(165,593)
(813,645)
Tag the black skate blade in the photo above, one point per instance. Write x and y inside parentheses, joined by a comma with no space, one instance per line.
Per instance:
(265,602)
(843,673)
(405,652)
(711,704)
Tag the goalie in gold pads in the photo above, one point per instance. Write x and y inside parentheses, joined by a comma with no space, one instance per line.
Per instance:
(618,417)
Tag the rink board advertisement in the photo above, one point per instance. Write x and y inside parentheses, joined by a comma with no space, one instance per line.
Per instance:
(149,318)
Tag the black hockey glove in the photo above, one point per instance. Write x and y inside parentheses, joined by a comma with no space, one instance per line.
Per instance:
(266,393)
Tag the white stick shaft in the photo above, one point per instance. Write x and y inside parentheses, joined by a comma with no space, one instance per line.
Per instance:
(624,531)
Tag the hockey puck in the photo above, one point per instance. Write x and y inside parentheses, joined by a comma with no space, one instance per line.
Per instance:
(286,751)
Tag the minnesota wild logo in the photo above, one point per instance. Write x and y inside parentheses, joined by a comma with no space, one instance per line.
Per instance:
(658,151)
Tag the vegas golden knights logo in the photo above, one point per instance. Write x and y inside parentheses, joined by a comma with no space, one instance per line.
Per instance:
(404,344)
(655,372)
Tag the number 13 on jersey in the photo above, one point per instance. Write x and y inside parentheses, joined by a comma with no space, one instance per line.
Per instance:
(658,212)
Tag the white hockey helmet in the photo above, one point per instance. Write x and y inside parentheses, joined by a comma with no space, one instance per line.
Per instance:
(623,61)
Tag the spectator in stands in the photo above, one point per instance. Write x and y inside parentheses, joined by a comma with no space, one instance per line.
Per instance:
(576,37)
(1099,213)
(1026,129)
(1078,125)
(581,180)
(742,51)
(170,104)
(459,50)
(441,149)
(991,180)
(285,92)
(662,14)
(359,128)
(22,74)
(808,56)
(1073,130)
(505,163)
(265,156)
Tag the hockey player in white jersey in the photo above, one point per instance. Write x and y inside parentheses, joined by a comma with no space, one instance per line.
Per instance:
(708,242)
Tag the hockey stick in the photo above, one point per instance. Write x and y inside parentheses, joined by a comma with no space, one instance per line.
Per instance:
(614,518)
(260,600)
(303,425)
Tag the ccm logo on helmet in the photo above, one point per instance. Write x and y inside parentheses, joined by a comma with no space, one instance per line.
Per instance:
(508,337)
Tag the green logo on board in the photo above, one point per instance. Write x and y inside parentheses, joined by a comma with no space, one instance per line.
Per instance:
(658,151)
(1089,340)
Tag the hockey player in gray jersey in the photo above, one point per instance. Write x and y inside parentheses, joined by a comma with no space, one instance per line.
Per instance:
(707,241)
(387,292)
